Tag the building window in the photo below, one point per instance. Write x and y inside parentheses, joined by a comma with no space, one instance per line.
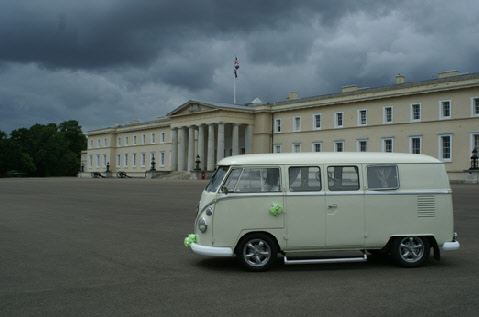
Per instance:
(277,148)
(277,125)
(118,160)
(338,122)
(134,139)
(475,106)
(296,124)
(339,146)
(143,139)
(388,145)
(125,159)
(162,158)
(317,121)
(388,114)
(133,161)
(416,112)
(296,148)
(126,140)
(316,147)
(362,145)
(445,147)
(143,159)
(153,138)
(362,117)
(445,109)
(162,137)
(415,143)
(104,160)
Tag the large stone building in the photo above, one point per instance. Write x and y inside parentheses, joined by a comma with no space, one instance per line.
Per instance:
(438,117)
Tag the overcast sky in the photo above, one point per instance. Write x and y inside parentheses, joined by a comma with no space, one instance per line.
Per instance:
(104,62)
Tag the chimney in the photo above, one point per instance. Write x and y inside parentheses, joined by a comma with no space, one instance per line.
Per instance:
(293,95)
(448,73)
(349,88)
(400,79)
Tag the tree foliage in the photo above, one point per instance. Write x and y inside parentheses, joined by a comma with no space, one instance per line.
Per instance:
(43,150)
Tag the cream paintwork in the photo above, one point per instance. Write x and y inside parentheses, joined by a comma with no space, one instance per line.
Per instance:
(359,219)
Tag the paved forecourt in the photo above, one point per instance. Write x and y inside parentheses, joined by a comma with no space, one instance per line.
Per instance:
(97,247)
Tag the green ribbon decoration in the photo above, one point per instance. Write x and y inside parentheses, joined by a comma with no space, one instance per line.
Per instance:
(191,238)
(276,209)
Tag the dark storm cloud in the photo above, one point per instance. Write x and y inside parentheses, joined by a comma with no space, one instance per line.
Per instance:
(113,61)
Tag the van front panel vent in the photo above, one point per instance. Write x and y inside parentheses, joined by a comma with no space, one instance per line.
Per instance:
(426,206)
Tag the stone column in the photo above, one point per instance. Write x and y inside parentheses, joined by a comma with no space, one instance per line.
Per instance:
(235,141)
(181,148)
(174,149)
(191,148)
(211,147)
(221,142)
(201,146)
(248,139)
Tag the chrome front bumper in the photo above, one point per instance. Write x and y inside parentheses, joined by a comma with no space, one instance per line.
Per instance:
(211,251)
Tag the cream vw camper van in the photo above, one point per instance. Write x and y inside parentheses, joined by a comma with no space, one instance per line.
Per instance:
(259,206)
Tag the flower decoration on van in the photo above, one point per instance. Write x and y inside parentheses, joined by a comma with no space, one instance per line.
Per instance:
(276,209)
(191,238)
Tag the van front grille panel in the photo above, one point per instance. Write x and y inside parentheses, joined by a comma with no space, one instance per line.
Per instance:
(426,206)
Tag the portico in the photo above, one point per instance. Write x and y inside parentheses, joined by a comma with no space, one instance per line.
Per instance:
(211,132)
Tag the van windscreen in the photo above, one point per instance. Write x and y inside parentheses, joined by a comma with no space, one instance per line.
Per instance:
(216,179)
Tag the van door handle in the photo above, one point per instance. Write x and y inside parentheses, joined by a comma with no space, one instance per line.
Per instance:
(332,206)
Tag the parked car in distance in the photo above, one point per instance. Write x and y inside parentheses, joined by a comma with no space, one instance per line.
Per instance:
(298,205)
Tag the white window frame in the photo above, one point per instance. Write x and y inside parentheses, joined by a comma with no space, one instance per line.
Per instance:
(385,115)
(411,110)
(359,117)
(440,149)
(441,105)
(293,147)
(294,127)
(276,147)
(313,147)
(336,145)
(336,125)
(420,143)
(473,107)
(471,143)
(358,145)
(162,158)
(277,126)
(314,121)
(383,144)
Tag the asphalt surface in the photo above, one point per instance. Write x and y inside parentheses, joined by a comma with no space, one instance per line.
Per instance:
(98,247)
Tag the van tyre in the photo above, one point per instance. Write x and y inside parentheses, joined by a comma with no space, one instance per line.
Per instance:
(257,252)
(411,251)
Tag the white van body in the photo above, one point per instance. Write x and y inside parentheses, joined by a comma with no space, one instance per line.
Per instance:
(324,202)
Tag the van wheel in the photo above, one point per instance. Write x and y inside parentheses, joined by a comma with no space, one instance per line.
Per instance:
(410,251)
(257,252)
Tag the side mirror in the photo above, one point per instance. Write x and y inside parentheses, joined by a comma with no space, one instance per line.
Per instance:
(224,190)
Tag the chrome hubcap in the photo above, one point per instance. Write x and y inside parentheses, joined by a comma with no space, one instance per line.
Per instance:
(411,249)
(257,252)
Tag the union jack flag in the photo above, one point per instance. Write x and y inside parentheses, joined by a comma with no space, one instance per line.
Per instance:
(236,66)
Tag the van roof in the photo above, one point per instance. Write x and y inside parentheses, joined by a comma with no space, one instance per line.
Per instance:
(327,158)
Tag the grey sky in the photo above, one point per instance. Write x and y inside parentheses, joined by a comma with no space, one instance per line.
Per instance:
(113,61)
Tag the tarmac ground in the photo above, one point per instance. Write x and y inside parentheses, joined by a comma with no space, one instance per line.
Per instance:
(114,247)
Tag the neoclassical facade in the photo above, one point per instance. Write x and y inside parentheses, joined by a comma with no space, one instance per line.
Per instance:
(438,117)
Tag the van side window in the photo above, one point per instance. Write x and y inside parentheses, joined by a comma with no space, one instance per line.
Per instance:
(304,178)
(382,177)
(253,180)
(343,178)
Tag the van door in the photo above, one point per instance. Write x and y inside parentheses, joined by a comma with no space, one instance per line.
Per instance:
(345,207)
(305,208)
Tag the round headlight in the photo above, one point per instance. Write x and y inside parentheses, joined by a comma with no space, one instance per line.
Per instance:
(202,225)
